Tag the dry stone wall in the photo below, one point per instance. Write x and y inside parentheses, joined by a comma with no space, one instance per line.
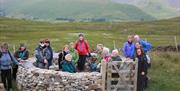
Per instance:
(31,78)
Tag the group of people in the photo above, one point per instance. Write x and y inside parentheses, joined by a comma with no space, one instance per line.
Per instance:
(135,47)
(77,57)
(43,54)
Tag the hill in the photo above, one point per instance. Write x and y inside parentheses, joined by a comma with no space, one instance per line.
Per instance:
(79,10)
(161,9)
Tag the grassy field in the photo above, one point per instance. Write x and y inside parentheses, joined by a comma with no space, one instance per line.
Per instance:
(165,74)
(159,33)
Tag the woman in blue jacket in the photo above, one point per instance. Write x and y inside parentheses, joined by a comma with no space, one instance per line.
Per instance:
(6,58)
(129,48)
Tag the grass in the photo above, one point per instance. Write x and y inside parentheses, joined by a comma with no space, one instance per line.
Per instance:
(158,33)
(165,65)
(165,74)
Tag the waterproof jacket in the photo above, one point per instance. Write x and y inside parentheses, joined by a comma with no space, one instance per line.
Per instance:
(129,50)
(61,58)
(146,46)
(117,58)
(24,55)
(39,54)
(68,66)
(48,55)
(82,47)
(75,55)
(6,60)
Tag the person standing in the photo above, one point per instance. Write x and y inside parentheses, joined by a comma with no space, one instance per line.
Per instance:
(41,62)
(142,69)
(83,49)
(129,48)
(48,53)
(21,54)
(6,59)
(146,47)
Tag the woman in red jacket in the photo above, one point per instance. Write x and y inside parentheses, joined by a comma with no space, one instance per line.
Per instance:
(83,49)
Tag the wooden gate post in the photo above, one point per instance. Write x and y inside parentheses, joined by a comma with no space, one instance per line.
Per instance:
(136,72)
(103,72)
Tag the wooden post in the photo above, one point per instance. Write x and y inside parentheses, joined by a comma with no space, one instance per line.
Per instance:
(175,40)
(103,72)
(14,48)
(109,76)
(135,76)
(114,43)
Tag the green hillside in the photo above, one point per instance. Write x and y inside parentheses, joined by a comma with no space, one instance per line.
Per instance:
(161,9)
(75,9)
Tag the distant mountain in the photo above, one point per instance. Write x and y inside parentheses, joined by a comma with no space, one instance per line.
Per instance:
(158,8)
(101,10)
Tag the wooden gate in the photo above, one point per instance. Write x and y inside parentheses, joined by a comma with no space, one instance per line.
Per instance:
(119,75)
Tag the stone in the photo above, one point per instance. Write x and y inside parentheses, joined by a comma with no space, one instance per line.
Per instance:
(36,79)
(2,87)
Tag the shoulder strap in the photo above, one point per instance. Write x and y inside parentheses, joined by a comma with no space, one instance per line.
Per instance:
(85,42)
(10,55)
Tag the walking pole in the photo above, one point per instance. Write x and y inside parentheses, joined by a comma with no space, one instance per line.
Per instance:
(14,48)
(175,40)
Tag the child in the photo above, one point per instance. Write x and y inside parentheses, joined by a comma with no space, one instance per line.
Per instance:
(68,65)
(142,69)
(115,55)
